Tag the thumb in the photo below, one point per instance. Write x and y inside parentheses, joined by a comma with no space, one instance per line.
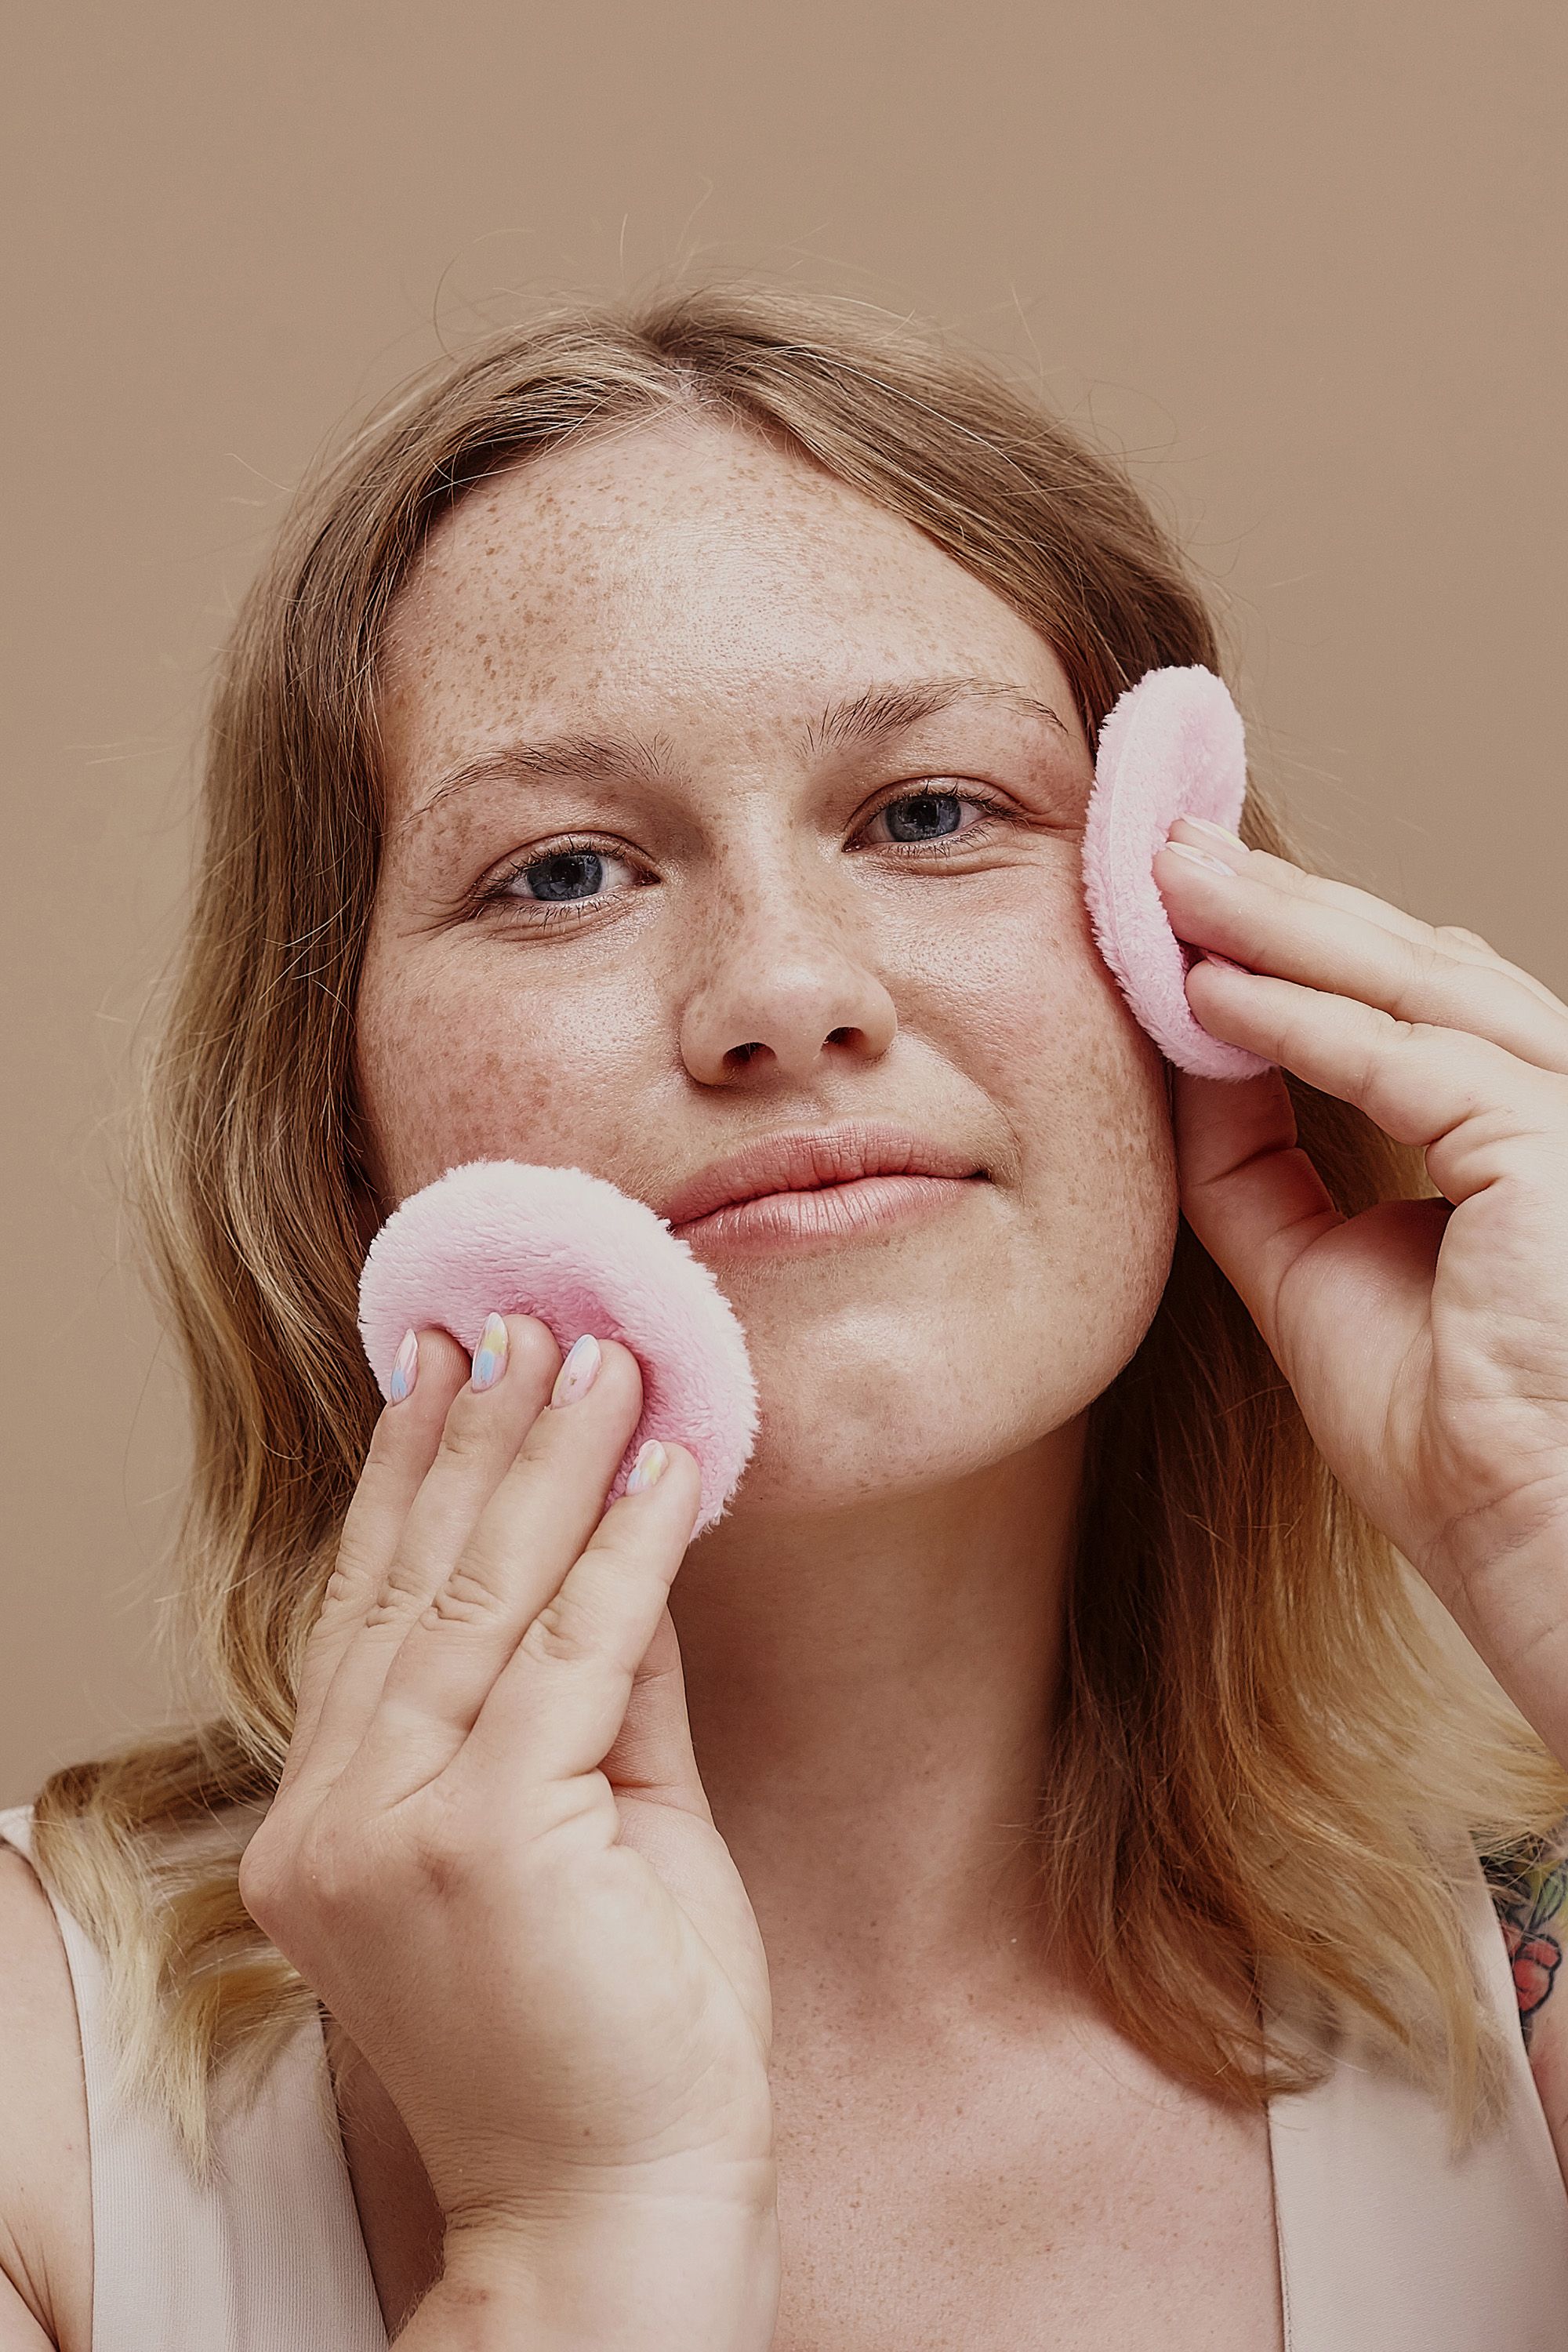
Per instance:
(1249,1191)
(652,1757)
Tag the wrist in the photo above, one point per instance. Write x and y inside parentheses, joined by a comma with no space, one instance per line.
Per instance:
(648,2277)
(1510,1601)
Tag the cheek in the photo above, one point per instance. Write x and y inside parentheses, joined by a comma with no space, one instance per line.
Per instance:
(459,1060)
(1082,1089)
(452,1068)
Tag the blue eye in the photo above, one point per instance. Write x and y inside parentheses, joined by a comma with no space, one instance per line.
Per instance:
(920,812)
(568,879)
(565,873)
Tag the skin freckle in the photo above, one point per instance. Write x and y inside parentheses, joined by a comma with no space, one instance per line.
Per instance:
(688,588)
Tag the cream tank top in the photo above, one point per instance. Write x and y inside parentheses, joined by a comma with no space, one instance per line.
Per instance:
(1383,2240)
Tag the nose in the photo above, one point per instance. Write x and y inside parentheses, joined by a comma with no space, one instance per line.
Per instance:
(787,989)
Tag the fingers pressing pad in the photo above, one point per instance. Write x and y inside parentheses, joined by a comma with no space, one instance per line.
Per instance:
(1174,746)
(581,1255)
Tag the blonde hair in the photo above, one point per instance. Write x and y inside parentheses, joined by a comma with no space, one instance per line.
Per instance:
(1262,1758)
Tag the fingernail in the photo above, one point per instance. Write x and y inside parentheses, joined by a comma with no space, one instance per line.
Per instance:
(1200,857)
(579,1371)
(648,1467)
(489,1355)
(1220,832)
(404,1369)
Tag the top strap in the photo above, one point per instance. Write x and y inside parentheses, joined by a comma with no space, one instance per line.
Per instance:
(1384,2238)
(269,2256)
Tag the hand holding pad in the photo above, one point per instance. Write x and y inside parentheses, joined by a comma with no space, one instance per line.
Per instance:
(581,1255)
(1174,746)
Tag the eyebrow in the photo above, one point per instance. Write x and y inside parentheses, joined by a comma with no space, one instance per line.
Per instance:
(885,710)
(866,717)
(588,756)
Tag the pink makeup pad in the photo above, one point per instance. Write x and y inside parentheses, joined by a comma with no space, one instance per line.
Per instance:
(1174,746)
(582,1256)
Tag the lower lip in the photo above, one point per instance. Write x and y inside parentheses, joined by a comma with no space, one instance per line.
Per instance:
(825,1216)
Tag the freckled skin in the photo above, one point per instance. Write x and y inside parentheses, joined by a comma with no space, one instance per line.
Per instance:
(691,585)
(868,1639)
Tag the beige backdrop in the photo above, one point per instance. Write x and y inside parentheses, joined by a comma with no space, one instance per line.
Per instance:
(1300,258)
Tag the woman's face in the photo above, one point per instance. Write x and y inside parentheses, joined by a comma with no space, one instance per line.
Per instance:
(724,679)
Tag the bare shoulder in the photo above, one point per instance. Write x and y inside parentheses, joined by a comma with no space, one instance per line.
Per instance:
(46,2191)
(1530,1896)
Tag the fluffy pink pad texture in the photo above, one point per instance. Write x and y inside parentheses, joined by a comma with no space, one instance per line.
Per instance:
(581,1255)
(1174,746)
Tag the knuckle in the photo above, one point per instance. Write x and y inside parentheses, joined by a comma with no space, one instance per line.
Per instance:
(1425,961)
(468,1435)
(466,1598)
(559,1636)
(1466,938)
(335,1872)
(1291,881)
(345,1592)
(324,1889)
(263,1877)
(403,1592)
(341,1585)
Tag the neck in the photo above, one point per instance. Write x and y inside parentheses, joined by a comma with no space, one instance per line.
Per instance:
(869,1692)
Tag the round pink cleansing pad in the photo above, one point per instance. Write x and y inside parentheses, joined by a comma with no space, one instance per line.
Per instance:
(1174,746)
(582,1256)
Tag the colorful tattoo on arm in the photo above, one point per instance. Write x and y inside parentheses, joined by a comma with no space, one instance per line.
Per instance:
(1529,1889)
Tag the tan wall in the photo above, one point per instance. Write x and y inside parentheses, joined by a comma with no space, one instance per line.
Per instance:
(1304,260)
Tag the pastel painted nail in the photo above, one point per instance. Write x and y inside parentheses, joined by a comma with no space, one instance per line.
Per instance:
(404,1369)
(579,1371)
(1200,857)
(489,1355)
(648,1468)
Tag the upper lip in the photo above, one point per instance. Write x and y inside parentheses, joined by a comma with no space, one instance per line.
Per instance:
(808,1158)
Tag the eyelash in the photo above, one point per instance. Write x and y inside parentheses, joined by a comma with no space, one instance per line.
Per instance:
(550,915)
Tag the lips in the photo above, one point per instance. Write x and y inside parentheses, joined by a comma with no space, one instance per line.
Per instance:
(809,1158)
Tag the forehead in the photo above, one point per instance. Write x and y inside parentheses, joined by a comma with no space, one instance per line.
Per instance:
(671,571)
